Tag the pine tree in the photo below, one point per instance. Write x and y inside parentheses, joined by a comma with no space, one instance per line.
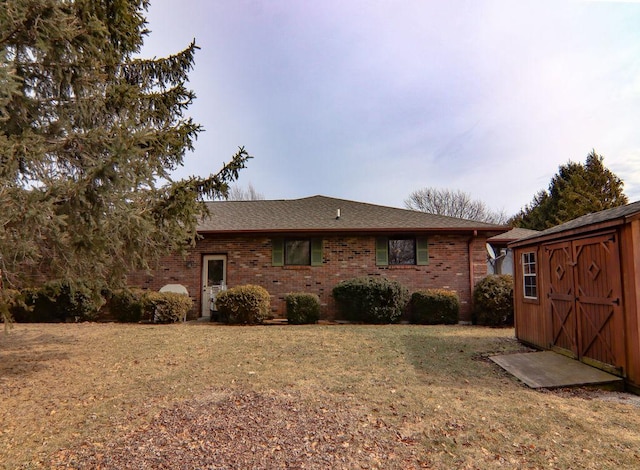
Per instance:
(574,191)
(89,136)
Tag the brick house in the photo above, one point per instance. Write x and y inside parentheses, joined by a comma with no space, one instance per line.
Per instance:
(311,244)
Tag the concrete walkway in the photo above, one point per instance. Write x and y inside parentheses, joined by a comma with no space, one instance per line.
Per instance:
(548,369)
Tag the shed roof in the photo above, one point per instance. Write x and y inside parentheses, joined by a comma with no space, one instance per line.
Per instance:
(512,235)
(585,223)
(319,214)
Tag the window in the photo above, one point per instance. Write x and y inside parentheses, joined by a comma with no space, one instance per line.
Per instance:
(296,252)
(402,251)
(396,251)
(529,275)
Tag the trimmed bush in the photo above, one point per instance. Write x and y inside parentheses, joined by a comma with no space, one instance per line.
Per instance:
(434,307)
(371,299)
(247,304)
(493,301)
(127,305)
(302,308)
(166,307)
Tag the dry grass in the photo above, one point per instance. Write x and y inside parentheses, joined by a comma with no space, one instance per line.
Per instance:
(83,386)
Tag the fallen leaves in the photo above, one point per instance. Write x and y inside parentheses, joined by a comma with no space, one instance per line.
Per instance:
(250,430)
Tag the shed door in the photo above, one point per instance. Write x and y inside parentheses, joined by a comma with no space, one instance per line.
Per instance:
(598,300)
(585,300)
(562,298)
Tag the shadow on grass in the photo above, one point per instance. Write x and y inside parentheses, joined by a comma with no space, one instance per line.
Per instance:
(24,355)
(456,353)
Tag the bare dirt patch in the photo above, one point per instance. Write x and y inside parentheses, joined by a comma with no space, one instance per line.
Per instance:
(587,393)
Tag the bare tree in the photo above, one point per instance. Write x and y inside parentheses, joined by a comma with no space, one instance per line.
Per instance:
(453,204)
(238,193)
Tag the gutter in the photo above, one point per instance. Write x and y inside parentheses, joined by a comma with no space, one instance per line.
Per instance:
(472,280)
(361,230)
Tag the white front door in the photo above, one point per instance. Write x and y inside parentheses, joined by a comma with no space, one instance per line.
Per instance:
(214,275)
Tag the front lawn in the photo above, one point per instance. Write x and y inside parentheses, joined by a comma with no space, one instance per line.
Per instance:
(320,396)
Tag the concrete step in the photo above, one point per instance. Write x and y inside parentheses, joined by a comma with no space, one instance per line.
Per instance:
(547,369)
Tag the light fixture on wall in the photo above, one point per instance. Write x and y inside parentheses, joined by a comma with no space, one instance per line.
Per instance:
(190,264)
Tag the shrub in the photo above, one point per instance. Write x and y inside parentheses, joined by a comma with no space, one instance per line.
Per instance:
(44,305)
(247,304)
(25,313)
(11,302)
(78,301)
(127,305)
(434,306)
(166,307)
(57,301)
(493,301)
(302,308)
(371,299)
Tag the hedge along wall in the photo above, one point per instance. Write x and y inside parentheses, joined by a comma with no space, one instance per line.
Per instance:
(249,261)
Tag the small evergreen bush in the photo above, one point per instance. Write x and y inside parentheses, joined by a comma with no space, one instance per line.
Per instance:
(11,302)
(371,299)
(57,301)
(248,304)
(434,306)
(25,313)
(79,302)
(45,308)
(493,301)
(302,308)
(166,307)
(127,305)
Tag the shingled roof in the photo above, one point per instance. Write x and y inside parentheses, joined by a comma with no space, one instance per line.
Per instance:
(512,235)
(608,217)
(319,214)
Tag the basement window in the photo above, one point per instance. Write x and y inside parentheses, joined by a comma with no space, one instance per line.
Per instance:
(529,275)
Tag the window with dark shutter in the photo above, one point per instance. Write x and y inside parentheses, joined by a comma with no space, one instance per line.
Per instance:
(297,252)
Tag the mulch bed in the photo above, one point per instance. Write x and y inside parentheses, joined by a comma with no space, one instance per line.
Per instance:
(249,430)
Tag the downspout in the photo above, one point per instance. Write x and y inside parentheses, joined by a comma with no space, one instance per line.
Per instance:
(472,279)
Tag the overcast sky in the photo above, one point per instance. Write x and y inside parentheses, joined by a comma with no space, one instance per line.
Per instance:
(369,100)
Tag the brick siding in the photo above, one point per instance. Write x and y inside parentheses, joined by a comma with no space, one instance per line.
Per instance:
(344,257)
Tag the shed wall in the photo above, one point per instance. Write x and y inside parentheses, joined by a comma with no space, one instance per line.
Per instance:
(630,264)
(533,318)
(530,320)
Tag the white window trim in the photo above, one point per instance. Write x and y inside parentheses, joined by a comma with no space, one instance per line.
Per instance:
(526,275)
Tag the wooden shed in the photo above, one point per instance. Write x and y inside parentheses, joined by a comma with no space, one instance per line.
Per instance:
(577,290)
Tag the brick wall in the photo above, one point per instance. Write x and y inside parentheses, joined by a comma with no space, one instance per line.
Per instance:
(344,257)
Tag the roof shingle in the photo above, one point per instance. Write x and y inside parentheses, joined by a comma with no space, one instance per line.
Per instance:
(319,213)
(512,235)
